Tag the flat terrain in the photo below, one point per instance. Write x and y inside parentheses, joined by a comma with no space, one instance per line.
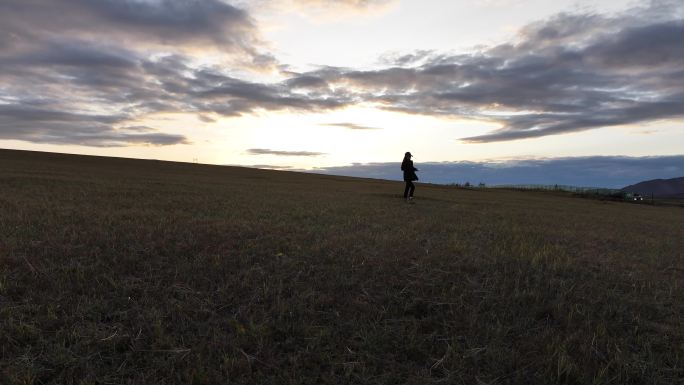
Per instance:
(116,271)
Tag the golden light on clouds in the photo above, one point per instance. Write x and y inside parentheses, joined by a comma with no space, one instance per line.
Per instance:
(315,83)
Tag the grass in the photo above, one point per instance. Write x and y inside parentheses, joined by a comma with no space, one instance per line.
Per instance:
(118,271)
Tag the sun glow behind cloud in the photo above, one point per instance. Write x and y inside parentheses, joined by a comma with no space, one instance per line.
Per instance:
(394,133)
(311,91)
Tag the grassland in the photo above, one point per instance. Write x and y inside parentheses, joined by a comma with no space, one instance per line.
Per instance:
(116,271)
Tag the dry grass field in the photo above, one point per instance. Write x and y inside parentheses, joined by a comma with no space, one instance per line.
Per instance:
(118,271)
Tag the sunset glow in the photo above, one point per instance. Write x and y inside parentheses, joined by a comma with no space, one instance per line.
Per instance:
(317,85)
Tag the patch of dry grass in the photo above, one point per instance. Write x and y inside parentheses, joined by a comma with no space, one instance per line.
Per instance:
(144,272)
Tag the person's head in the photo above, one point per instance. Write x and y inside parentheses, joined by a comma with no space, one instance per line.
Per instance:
(407,155)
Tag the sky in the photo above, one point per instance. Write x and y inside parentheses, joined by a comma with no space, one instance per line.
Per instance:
(572,92)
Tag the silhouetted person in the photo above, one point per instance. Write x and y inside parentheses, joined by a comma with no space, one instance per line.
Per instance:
(409,176)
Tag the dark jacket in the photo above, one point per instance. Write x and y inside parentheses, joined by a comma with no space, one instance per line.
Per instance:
(409,170)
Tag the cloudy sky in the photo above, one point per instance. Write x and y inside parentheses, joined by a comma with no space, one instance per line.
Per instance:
(582,92)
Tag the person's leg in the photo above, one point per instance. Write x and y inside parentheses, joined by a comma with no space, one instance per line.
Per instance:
(413,188)
(406,189)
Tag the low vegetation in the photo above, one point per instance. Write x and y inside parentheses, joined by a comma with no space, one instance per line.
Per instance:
(116,271)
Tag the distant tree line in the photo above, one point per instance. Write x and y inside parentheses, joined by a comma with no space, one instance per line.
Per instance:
(595,192)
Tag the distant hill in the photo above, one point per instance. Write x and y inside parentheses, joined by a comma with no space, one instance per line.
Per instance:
(659,187)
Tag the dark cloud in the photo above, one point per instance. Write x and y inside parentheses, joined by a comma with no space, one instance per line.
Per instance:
(351,126)
(111,86)
(41,124)
(307,82)
(74,68)
(124,86)
(595,171)
(570,73)
(407,59)
(78,54)
(206,119)
(265,151)
(77,71)
(164,22)
(658,45)
(28,113)
(230,96)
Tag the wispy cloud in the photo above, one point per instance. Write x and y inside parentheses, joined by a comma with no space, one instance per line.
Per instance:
(344,3)
(325,9)
(271,166)
(265,151)
(351,126)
